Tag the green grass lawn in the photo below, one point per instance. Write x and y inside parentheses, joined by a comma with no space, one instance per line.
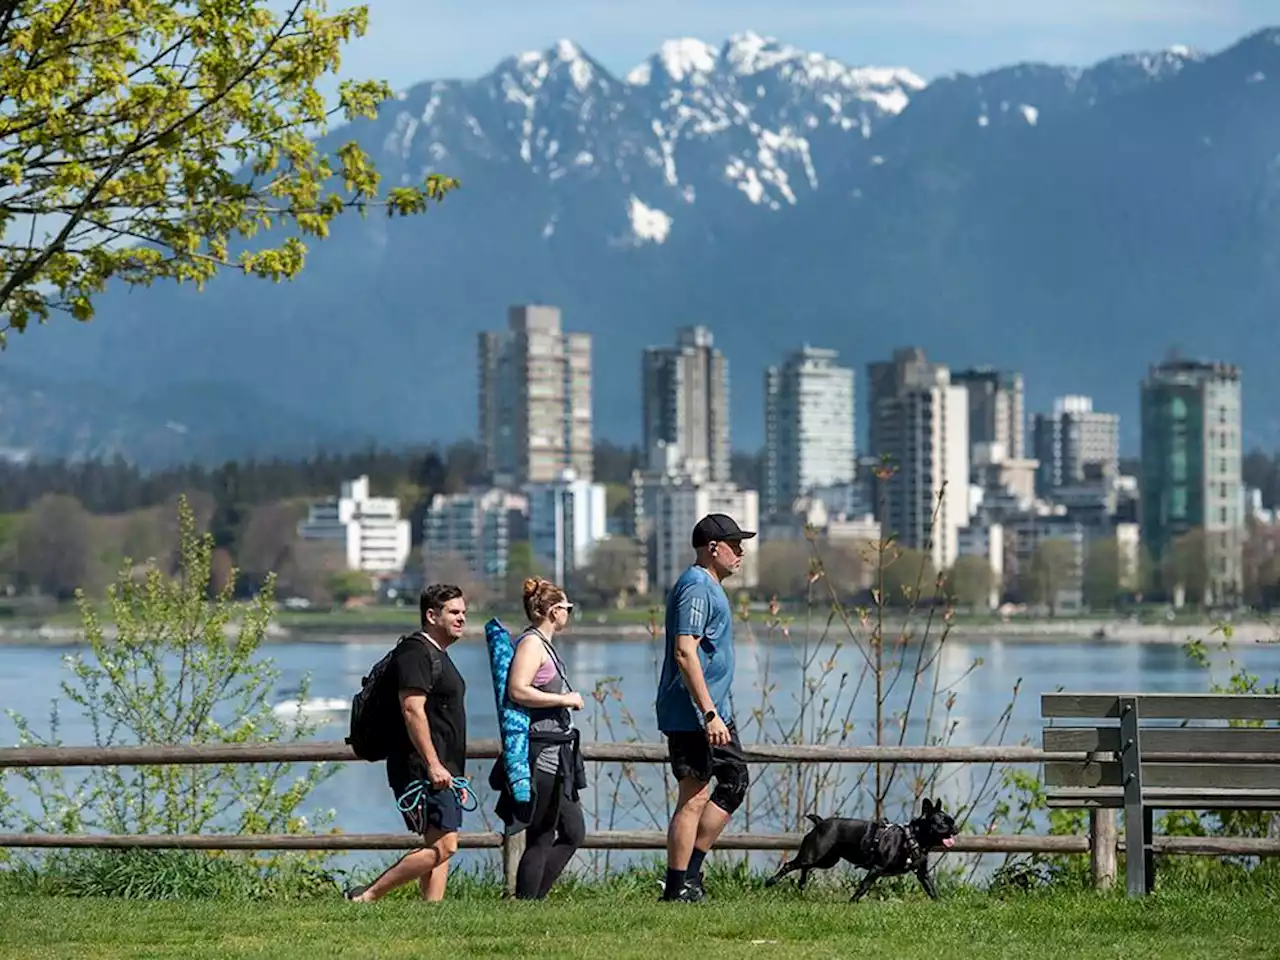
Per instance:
(777,924)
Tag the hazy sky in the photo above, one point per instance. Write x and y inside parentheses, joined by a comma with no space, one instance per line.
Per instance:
(414,40)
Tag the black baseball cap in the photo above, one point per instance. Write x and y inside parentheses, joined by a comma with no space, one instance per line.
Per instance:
(717,527)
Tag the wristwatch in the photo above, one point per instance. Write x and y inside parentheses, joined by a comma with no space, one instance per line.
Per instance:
(708,716)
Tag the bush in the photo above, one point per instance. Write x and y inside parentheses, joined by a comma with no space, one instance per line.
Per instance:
(179,663)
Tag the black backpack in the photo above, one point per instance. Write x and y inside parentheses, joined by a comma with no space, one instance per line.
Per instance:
(370,739)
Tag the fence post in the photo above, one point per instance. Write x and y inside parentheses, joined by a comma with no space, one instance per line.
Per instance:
(512,851)
(1102,847)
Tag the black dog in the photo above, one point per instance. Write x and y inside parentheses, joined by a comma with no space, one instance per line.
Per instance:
(882,849)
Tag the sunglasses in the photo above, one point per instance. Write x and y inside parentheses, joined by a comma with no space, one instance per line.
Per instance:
(562,605)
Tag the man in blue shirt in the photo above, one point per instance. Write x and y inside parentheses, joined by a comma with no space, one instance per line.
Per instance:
(695,704)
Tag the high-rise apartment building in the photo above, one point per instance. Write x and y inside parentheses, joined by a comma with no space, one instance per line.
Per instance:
(1074,443)
(686,400)
(920,421)
(535,399)
(1191,476)
(996,412)
(809,427)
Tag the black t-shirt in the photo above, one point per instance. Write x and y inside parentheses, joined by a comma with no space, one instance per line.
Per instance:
(446,703)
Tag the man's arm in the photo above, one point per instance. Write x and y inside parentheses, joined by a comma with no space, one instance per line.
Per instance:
(413,707)
(692,608)
(691,670)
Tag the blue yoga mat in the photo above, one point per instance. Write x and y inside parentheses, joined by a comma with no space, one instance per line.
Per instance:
(513,721)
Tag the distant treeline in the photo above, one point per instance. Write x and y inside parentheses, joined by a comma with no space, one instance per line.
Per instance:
(69,524)
(117,486)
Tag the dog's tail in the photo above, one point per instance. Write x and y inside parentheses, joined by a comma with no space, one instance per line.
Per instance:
(814,819)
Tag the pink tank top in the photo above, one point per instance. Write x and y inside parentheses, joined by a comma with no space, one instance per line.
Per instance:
(545,673)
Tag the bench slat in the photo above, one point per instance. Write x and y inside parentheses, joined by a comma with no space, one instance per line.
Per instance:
(1163,706)
(1223,740)
(1113,798)
(1166,798)
(1108,773)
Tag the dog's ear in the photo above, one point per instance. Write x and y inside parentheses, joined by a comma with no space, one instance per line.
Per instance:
(937,805)
(927,808)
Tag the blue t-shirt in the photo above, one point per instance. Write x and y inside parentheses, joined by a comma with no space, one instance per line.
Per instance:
(697,606)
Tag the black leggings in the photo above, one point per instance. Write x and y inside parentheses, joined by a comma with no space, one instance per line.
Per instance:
(554,834)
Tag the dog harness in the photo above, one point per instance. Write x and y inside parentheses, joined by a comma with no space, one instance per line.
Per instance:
(915,854)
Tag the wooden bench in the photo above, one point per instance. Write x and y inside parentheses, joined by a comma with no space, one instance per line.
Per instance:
(1145,756)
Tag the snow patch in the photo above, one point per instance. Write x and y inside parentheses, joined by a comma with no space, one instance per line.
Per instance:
(580,72)
(886,77)
(400,138)
(890,101)
(746,178)
(640,75)
(686,56)
(1030,113)
(647,223)
(429,111)
(984,120)
(1256,77)
(550,227)
(667,146)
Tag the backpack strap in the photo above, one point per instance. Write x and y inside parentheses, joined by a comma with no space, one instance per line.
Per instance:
(433,654)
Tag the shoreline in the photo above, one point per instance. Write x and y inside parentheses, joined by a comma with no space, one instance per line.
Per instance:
(1065,630)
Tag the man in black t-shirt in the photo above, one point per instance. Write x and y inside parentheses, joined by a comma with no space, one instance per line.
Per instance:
(428,721)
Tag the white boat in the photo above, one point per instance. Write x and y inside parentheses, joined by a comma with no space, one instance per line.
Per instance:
(312,706)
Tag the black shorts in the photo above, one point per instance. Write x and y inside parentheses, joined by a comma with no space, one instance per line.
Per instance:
(692,756)
(433,809)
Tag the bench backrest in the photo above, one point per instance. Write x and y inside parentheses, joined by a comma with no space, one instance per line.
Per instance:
(1173,756)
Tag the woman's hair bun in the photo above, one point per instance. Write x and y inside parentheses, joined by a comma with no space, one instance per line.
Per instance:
(531,584)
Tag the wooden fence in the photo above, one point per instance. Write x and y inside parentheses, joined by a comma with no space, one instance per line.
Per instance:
(1102,843)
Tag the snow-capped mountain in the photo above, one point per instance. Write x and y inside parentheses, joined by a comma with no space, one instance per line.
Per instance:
(1070,222)
(753,117)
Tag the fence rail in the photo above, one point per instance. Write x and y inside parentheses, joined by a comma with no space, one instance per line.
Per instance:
(605,752)
(337,751)
(1102,843)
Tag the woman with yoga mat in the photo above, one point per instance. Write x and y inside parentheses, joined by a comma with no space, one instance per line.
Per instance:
(539,682)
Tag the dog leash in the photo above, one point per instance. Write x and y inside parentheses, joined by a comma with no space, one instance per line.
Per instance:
(460,786)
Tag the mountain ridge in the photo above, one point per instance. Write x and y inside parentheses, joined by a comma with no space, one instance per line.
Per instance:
(775,195)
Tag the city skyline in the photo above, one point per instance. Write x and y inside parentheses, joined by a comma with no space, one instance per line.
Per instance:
(1001,408)
(961,482)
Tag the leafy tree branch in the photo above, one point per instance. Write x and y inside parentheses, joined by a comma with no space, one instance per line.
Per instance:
(122,125)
